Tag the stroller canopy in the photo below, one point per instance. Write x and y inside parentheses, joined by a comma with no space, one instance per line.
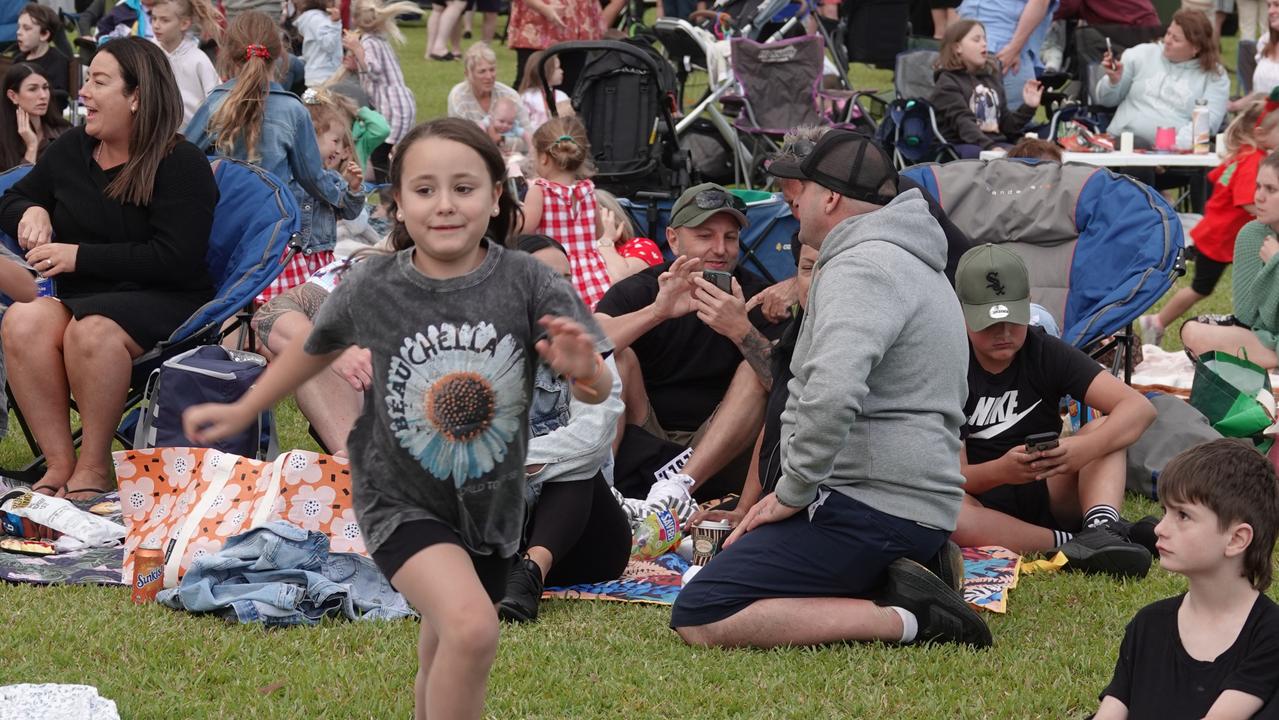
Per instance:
(1101,247)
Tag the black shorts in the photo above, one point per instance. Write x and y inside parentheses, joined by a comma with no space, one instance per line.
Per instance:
(485,6)
(836,547)
(1029,502)
(1207,273)
(415,536)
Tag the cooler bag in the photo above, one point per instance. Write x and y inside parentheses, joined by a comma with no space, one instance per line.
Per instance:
(188,501)
(206,374)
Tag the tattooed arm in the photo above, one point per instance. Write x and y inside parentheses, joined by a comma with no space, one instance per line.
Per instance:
(758,352)
(287,316)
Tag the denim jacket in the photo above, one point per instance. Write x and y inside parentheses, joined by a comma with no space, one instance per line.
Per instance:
(573,440)
(288,150)
(280,574)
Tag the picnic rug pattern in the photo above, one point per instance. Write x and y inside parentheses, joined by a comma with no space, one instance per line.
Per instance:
(93,566)
(989,573)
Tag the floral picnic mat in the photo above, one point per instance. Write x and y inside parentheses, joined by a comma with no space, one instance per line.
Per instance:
(990,572)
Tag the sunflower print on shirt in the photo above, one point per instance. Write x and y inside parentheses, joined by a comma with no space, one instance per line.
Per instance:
(456,398)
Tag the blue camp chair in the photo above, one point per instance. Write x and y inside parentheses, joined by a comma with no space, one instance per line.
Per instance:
(254,235)
(1100,247)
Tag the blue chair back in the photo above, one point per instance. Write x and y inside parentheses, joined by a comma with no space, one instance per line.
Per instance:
(253,223)
(7,180)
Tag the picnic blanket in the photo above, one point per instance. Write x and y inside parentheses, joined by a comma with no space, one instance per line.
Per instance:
(989,573)
(92,566)
(1169,372)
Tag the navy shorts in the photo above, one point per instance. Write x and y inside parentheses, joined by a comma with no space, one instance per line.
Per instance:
(836,547)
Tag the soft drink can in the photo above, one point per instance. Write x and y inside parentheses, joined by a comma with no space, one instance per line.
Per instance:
(46,287)
(708,539)
(148,574)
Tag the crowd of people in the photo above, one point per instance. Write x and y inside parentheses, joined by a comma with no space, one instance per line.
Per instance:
(516,375)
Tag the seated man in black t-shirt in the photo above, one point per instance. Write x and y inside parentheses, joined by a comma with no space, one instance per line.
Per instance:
(1034,499)
(1212,652)
(687,349)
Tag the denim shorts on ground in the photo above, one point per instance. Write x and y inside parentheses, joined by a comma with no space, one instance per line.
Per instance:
(837,547)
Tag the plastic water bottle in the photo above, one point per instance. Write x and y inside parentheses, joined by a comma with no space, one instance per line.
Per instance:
(1200,132)
(655,535)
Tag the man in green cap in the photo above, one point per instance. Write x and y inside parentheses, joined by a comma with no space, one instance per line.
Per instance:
(1025,488)
(687,349)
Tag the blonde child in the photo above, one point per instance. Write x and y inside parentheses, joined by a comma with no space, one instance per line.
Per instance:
(624,253)
(319,24)
(1209,652)
(332,120)
(561,203)
(1252,134)
(379,69)
(172,21)
(531,90)
(437,456)
(250,117)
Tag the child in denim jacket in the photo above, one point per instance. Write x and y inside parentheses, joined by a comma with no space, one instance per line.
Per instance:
(251,118)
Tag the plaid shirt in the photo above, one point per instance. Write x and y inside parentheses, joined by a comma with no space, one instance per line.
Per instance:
(383,81)
(568,216)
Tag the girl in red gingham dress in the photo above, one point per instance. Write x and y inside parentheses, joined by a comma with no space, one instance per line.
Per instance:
(561,203)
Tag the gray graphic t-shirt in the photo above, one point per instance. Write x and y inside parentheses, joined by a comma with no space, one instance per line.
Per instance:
(444,429)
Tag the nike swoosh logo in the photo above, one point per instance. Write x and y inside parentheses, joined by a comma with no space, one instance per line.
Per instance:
(997,428)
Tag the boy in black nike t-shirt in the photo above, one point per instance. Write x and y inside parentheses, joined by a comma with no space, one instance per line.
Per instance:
(1066,497)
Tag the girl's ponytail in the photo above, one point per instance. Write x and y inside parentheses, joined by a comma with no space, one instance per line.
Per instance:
(251,47)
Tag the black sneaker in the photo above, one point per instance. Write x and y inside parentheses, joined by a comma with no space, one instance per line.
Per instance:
(1104,549)
(942,613)
(523,592)
(948,564)
(1142,532)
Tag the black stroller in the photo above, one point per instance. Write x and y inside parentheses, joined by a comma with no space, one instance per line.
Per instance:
(625,96)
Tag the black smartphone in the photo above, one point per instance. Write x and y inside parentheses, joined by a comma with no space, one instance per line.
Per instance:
(1039,442)
(720,279)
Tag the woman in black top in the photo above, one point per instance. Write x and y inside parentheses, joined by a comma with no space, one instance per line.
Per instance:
(118,214)
(28,119)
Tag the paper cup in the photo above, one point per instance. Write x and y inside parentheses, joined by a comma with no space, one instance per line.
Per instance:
(708,539)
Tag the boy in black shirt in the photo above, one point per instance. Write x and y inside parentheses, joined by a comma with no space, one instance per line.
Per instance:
(1031,500)
(1214,651)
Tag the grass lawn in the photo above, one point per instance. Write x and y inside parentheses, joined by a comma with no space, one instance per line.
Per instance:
(1054,651)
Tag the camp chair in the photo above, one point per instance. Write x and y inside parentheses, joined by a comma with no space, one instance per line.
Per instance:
(909,130)
(1101,248)
(781,90)
(254,235)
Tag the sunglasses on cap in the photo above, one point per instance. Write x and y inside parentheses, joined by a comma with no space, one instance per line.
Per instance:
(798,149)
(715,199)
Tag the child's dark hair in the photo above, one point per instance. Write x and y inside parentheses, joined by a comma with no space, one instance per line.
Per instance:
(1237,483)
(1036,149)
(44,17)
(564,140)
(501,226)
(531,243)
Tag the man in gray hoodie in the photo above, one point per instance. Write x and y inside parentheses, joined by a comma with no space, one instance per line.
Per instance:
(870,485)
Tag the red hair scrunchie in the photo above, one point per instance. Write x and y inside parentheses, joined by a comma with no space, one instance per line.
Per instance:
(252,51)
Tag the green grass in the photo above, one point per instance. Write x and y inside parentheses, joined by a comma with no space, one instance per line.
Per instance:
(1054,650)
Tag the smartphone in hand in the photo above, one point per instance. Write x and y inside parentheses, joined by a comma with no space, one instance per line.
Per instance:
(1040,442)
(720,279)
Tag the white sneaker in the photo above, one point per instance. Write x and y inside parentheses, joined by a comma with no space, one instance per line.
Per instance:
(1149,330)
(670,490)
